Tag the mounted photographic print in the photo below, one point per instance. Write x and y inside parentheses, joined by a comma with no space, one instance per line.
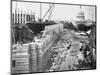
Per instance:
(52,37)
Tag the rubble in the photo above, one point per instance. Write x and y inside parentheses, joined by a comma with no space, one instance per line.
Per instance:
(68,51)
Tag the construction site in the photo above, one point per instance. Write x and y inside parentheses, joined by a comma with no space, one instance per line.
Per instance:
(47,45)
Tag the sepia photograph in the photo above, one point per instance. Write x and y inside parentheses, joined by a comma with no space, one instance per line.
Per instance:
(52,37)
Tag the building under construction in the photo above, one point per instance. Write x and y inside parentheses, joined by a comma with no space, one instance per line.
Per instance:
(27,54)
(40,44)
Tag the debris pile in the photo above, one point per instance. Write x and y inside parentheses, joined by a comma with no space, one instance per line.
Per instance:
(71,54)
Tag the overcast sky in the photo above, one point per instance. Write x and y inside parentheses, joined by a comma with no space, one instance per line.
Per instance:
(60,11)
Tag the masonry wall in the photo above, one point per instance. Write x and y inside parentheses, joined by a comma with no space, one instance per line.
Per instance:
(33,61)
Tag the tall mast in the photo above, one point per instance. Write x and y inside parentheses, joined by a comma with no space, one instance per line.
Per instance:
(80,7)
(50,13)
(40,11)
(16,13)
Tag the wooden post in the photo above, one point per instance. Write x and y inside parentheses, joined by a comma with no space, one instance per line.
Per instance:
(21,17)
(15,16)
(24,18)
(18,16)
(13,36)
(12,18)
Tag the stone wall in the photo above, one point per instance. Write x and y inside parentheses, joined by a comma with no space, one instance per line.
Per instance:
(35,60)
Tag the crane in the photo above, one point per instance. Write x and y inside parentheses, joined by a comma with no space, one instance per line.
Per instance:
(51,7)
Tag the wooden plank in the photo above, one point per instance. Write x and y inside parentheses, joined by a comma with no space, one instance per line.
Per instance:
(22,64)
(20,56)
(21,68)
(18,71)
(21,60)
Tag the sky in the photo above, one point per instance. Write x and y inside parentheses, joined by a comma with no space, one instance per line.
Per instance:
(60,11)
